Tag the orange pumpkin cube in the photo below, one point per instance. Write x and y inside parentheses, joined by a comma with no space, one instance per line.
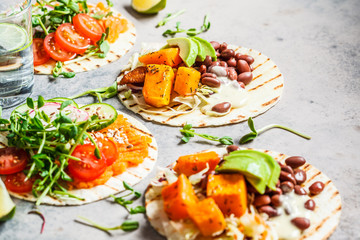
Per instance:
(229,192)
(159,80)
(186,81)
(207,217)
(177,198)
(194,163)
(167,56)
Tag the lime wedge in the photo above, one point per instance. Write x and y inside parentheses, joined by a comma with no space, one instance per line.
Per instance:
(7,206)
(13,37)
(148,6)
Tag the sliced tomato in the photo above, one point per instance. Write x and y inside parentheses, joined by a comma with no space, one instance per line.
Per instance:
(71,40)
(108,149)
(89,167)
(55,51)
(16,183)
(88,26)
(40,55)
(12,160)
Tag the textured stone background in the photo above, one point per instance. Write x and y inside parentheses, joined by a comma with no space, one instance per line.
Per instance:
(316,45)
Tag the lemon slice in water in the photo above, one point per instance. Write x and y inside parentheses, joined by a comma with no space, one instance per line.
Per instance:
(7,206)
(148,6)
(13,37)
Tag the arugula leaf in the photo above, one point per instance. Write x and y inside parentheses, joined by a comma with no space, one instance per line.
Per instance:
(188,133)
(254,133)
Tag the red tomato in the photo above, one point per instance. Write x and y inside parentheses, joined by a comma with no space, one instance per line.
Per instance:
(12,160)
(40,55)
(69,39)
(55,51)
(88,26)
(89,167)
(108,149)
(16,183)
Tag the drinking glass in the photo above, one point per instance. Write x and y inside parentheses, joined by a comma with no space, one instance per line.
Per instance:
(16,55)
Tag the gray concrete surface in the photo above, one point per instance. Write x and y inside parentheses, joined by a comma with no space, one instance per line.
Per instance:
(316,45)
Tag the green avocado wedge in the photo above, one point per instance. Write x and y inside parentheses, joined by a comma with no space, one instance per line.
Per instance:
(7,206)
(201,52)
(188,49)
(259,168)
(207,48)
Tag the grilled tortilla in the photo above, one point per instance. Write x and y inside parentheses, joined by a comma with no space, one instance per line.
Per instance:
(114,185)
(326,215)
(264,91)
(118,49)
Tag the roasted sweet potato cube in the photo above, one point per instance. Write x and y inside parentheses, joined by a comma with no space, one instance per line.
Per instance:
(186,81)
(229,192)
(194,163)
(177,198)
(207,217)
(159,80)
(167,56)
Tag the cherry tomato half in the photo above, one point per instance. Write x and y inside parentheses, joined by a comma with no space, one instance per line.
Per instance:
(12,160)
(40,55)
(89,167)
(16,183)
(88,26)
(108,149)
(55,51)
(69,39)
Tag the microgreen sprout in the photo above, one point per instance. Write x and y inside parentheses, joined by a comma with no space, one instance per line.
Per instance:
(188,133)
(170,16)
(126,226)
(126,202)
(254,133)
(36,211)
(100,93)
(191,31)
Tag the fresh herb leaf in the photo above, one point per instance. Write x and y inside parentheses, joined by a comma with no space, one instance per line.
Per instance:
(254,133)
(191,31)
(30,103)
(188,133)
(126,226)
(128,94)
(109,3)
(65,104)
(170,16)
(138,209)
(100,93)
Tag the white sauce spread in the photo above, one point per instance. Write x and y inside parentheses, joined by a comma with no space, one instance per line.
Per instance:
(229,91)
(294,204)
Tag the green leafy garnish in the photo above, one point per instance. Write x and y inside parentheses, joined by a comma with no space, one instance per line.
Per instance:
(126,226)
(100,93)
(191,31)
(58,70)
(254,133)
(50,141)
(126,202)
(188,133)
(170,16)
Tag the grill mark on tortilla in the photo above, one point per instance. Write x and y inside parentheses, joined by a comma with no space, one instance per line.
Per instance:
(97,65)
(327,183)
(173,117)
(113,188)
(261,63)
(69,69)
(131,43)
(132,105)
(88,59)
(153,147)
(279,86)
(111,52)
(36,71)
(260,85)
(131,173)
(313,176)
(133,34)
(306,167)
(334,194)
(264,72)
(202,125)
(118,56)
(142,131)
(257,77)
(270,102)
(151,159)
(3,144)
(109,61)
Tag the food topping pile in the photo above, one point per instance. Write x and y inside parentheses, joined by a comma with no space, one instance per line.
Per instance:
(54,146)
(186,74)
(237,195)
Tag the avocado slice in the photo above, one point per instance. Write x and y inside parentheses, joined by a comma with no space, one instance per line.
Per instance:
(207,48)
(188,49)
(201,51)
(259,168)
(7,206)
